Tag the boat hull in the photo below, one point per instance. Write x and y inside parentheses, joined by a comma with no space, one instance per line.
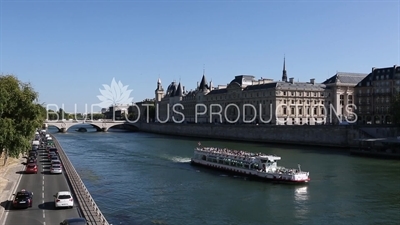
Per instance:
(247,173)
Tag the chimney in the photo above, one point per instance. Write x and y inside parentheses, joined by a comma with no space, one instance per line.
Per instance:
(183,89)
(312,81)
(291,80)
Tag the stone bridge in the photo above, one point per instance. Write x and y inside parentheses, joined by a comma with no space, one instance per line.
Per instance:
(104,125)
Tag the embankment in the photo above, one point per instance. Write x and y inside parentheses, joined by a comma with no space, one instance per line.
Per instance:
(87,205)
(323,135)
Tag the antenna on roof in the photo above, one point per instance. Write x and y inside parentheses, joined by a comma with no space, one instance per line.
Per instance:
(204,69)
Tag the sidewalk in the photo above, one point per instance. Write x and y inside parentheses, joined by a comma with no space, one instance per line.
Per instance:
(8,180)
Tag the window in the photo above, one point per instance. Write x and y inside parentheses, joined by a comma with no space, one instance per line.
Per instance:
(300,111)
(292,111)
(284,111)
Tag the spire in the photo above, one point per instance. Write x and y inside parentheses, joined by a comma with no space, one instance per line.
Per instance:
(204,69)
(203,83)
(179,91)
(284,75)
(159,86)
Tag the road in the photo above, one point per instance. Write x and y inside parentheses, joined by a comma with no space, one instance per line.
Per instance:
(43,185)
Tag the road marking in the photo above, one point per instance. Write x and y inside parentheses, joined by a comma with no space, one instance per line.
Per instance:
(43,177)
(43,182)
(43,195)
(43,188)
(44,223)
(44,215)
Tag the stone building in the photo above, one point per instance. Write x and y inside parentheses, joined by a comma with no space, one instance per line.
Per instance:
(259,101)
(374,95)
(343,99)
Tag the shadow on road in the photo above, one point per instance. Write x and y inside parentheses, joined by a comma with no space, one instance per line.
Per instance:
(5,204)
(47,206)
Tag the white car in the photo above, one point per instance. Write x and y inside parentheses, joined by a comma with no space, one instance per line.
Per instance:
(56,169)
(63,199)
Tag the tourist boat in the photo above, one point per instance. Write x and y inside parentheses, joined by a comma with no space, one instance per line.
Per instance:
(250,164)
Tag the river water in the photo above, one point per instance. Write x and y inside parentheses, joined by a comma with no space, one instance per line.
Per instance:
(146,179)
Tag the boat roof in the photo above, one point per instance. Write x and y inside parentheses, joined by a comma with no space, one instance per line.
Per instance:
(237,152)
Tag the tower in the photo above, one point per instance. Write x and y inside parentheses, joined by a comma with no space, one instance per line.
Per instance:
(159,92)
(284,75)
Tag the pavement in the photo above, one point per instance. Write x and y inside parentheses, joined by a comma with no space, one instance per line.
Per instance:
(9,178)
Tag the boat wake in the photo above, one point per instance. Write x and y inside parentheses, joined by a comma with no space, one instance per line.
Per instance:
(180,159)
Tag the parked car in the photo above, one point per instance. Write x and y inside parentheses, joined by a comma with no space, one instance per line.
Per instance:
(74,221)
(63,199)
(31,168)
(23,199)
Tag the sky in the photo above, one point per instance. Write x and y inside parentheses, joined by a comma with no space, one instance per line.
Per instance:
(68,49)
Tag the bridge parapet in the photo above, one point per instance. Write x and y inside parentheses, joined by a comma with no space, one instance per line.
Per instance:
(103,125)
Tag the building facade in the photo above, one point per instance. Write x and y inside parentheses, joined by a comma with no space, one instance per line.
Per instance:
(374,95)
(262,101)
(343,102)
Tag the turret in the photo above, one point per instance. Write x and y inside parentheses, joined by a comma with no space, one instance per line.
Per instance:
(159,92)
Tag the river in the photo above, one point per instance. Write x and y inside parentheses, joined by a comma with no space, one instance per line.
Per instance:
(146,179)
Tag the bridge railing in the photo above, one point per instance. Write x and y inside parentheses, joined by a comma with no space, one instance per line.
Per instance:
(85,120)
(88,206)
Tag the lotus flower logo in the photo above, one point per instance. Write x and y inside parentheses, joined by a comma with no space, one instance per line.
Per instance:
(115,94)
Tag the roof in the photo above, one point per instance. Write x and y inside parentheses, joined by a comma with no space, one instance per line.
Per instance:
(346,78)
(387,73)
(300,86)
(64,193)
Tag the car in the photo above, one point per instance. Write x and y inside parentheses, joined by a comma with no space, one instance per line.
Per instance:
(53,150)
(31,160)
(32,154)
(55,169)
(63,199)
(23,199)
(55,162)
(74,221)
(31,168)
(51,154)
(54,157)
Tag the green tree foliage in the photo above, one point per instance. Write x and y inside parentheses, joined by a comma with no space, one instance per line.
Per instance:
(20,115)
(59,115)
(395,109)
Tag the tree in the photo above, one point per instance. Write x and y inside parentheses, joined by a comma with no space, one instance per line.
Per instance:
(395,109)
(20,115)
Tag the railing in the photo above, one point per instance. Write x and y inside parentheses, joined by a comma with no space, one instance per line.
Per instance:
(88,206)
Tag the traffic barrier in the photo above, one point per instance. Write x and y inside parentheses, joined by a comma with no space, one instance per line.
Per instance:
(88,207)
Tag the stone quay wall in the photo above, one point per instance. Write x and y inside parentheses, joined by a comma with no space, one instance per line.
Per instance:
(88,207)
(317,135)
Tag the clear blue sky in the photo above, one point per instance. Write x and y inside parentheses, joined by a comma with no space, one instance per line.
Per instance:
(68,49)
